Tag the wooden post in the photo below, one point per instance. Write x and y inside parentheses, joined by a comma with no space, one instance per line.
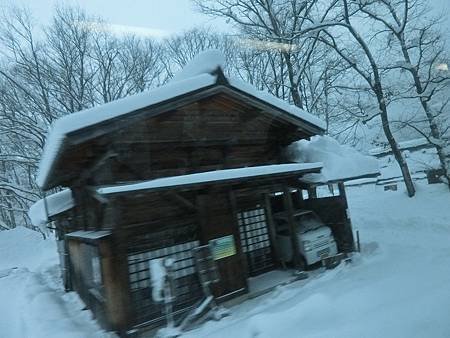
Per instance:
(272,231)
(358,245)
(243,257)
(342,192)
(312,192)
(291,224)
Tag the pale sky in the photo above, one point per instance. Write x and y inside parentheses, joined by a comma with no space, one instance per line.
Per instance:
(158,17)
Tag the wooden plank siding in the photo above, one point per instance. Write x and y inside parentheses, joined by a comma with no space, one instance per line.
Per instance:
(215,133)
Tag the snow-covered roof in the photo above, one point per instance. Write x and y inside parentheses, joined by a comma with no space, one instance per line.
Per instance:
(77,121)
(340,163)
(56,203)
(415,143)
(201,73)
(212,177)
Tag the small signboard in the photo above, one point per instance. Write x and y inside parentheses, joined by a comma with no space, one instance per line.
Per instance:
(222,247)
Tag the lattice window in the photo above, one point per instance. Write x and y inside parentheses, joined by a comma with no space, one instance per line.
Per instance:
(255,240)
(187,287)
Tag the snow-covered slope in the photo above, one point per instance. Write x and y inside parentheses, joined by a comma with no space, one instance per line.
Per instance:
(418,161)
(33,303)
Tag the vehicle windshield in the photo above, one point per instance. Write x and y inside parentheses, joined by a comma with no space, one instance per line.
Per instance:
(308,222)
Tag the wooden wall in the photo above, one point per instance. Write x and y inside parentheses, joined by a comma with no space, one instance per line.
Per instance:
(215,133)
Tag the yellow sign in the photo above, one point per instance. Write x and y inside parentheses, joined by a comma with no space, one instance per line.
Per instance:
(222,247)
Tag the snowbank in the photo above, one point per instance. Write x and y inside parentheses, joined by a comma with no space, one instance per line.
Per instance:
(340,162)
(33,302)
(24,248)
(56,203)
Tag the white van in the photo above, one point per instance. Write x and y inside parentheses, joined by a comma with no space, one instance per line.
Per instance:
(315,239)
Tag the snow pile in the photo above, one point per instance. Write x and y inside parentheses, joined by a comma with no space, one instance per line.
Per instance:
(33,302)
(397,287)
(204,63)
(340,162)
(56,203)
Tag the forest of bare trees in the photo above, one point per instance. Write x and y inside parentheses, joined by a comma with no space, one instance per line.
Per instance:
(374,70)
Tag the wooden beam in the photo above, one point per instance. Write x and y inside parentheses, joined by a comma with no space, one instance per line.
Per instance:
(185,203)
(287,198)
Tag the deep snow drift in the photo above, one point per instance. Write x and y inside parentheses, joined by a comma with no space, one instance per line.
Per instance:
(33,303)
(398,287)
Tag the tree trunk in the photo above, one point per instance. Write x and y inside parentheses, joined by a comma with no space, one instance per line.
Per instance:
(434,129)
(293,86)
(396,150)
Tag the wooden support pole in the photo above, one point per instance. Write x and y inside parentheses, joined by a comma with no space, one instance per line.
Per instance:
(312,192)
(236,231)
(288,206)
(342,193)
(271,226)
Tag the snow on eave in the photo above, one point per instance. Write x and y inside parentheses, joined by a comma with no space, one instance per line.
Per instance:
(212,177)
(56,204)
(272,100)
(87,118)
(89,234)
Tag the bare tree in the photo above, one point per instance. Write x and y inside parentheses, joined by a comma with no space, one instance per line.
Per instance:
(182,48)
(276,24)
(418,42)
(364,63)
(124,66)
(73,66)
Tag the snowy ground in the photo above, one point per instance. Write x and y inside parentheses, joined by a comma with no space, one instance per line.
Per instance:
(398,287)
(33,303)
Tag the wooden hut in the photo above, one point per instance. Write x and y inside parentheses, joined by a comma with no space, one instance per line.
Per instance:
(197,161)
